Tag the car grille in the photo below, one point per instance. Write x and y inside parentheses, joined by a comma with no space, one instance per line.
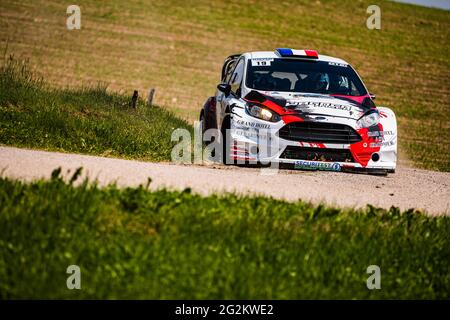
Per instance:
(319,132)
(317,154)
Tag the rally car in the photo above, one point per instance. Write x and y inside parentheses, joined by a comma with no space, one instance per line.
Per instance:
(300,109)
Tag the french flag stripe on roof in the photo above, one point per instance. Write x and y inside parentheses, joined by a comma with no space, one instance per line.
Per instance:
(286,52)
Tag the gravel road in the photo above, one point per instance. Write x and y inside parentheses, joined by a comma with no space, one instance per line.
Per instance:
(407,188)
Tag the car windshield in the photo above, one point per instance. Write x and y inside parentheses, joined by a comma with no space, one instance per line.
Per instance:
(291,75)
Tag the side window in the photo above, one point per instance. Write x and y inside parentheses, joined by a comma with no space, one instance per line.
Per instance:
(343,82)
(236,78)
(354,90)
(229,71)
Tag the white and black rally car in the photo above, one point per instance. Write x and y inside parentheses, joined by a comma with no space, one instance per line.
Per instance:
(300,109)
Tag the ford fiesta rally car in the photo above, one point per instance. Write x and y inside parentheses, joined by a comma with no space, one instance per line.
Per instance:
(300,109)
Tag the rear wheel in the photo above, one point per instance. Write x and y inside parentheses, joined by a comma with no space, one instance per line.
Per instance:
(202,129)
(202,123)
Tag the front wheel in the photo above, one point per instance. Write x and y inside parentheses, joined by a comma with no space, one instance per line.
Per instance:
(225,130)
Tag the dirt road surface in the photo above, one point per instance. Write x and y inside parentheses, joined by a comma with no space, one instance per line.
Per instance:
(407,188)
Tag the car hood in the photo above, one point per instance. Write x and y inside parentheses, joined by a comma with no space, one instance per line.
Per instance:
(317,105)
(313,106)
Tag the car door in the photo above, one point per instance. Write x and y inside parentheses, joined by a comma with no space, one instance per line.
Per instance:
(227,71)
(234,79)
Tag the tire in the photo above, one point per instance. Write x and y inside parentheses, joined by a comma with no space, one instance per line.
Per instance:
(378,172)
(225,137)
(202,123)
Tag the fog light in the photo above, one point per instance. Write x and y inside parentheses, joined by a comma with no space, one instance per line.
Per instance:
(254,150)
(375,157)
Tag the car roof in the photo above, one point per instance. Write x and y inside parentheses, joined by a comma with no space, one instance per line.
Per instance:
(273,55)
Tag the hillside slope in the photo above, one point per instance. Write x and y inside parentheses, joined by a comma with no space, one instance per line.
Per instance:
(178,47)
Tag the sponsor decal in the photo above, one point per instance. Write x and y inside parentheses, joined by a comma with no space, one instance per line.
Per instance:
(252,124)
(261,62)
(337,64)
(304,105)
(382,144)
(380,133)
(251,134)
(316,165)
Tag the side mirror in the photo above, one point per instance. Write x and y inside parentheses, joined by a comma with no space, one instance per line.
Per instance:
(225,88)
(372,96)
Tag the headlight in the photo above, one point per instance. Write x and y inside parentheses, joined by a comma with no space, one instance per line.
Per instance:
(262,113)
(371,118)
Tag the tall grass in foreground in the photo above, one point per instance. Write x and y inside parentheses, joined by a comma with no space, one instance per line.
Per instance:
(133,243)
(85,120)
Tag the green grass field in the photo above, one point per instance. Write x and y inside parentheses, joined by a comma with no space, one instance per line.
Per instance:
(178,47)
(87,120)
(133,243)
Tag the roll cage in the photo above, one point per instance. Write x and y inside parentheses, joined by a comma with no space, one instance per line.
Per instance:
(228,65)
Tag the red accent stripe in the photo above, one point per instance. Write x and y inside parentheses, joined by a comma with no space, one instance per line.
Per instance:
(362,151)
(312,53)
(291,118)
(233,157)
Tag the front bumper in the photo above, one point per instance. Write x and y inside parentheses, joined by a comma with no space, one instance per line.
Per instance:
(259,142)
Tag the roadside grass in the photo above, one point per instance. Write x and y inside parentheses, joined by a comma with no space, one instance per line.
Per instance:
(178,47)
(138,244)
(87,120)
